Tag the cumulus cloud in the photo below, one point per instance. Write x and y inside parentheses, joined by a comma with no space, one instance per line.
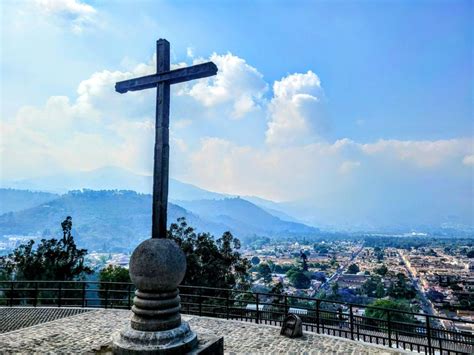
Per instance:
(237,85)
(78,15)
(295,114)
(297,172)
(290,162)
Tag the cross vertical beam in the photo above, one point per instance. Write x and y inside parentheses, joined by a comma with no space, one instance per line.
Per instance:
(162,146)
(162,80)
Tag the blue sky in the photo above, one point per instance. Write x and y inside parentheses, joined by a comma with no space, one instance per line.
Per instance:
(364,101)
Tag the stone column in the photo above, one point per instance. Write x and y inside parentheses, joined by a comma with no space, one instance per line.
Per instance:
(157,267)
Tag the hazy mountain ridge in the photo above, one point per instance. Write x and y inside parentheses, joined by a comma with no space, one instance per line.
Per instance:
(114,178)
(242,211)
(118,220)
(12,200)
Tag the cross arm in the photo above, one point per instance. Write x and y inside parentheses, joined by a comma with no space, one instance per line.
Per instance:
(172,77)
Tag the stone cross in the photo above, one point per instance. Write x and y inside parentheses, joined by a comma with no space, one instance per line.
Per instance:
(162,80)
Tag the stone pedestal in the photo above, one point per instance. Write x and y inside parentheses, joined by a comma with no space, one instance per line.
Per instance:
(157,267)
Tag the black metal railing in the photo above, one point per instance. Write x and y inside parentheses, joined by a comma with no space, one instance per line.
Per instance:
(398,329)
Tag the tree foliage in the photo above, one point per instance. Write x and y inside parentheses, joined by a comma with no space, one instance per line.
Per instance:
(304,261)
(255,260)
(113,273)
(393,305)
(401,288)
(298,278)
(353,269)
(53,259)
(382,271)
(264,272)
(373,287)
(210,262)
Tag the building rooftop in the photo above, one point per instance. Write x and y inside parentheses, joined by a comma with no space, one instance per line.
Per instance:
(91,331)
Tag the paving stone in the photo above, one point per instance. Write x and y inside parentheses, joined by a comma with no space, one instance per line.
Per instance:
(91,332)
(13,318)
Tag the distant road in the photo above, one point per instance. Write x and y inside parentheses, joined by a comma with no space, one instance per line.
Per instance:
(426,303)
(341,269)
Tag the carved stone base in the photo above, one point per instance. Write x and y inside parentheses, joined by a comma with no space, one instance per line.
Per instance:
(180,340)
(208,344)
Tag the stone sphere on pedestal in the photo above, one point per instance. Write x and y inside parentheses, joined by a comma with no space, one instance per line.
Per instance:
(157,265)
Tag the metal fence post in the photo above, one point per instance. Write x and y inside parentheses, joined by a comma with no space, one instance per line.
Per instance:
(12,287)
(389,329)
(227,304)
(129,302)
(106,294)
(351,321)
(258,310)
(36,294)
(59,294)
(83,294)
(200,302)
(318,307)
(286,305)
(428,334)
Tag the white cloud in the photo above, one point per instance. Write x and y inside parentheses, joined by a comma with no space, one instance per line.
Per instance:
(295,114)
(101,127)
(348,166)
(237,85)
(190,52)
(468,160)
(75,13)
(317,169)
(422,153)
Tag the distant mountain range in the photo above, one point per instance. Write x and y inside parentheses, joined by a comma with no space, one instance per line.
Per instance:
(119,220)
(17,200)
(209,210)
(114,178)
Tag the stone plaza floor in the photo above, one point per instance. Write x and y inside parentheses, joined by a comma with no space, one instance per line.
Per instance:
(90,332)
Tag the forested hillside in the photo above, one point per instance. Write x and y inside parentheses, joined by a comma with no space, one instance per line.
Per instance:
(12,200)
(117,220)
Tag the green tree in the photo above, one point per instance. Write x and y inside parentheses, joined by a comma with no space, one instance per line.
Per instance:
(53,259)
(109,274)
(392,305)
(304,261)
(213,263)
(380,291)
(278,294)
(353,269)
(371,286)
(379,254)
(401,288)
(113,273)
(382,271)
(255,260)
(264,272)
(298,278)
